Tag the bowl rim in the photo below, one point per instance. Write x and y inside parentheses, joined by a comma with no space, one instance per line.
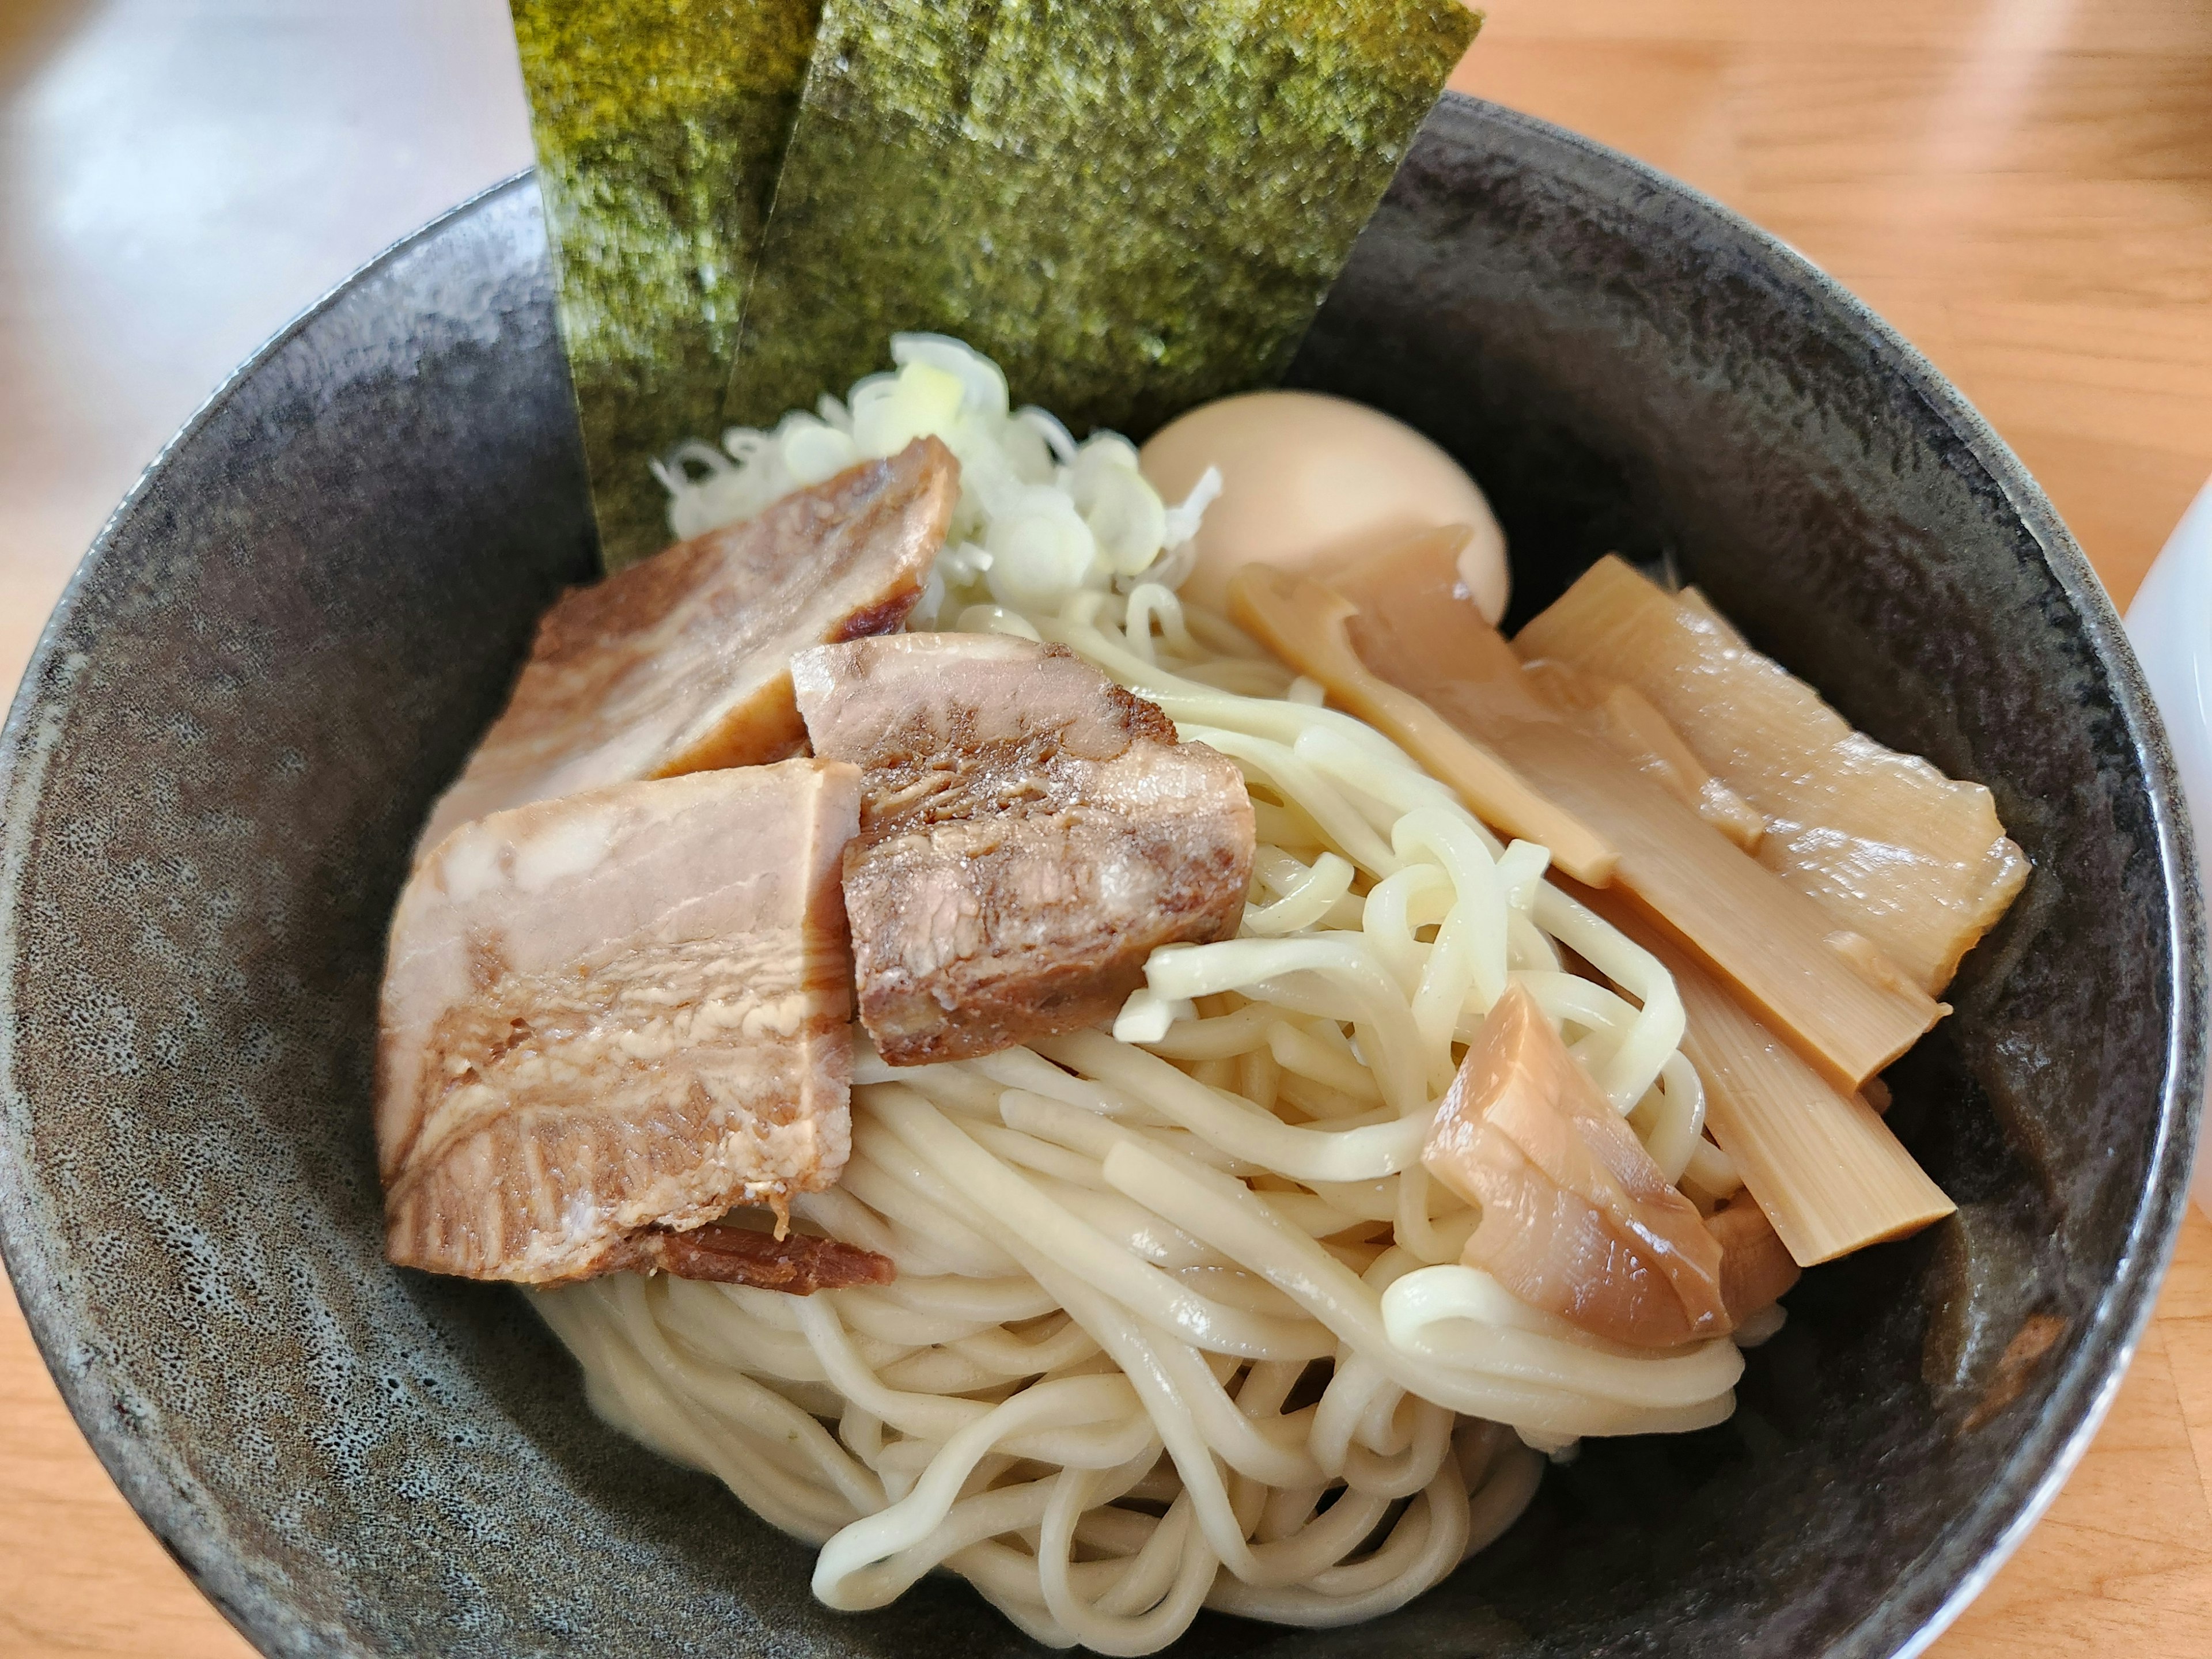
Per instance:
(1937,1587)
(1932,1592)
(35,1269)
(1929,1596)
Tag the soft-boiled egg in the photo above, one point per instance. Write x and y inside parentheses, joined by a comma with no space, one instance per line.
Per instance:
(1309,481)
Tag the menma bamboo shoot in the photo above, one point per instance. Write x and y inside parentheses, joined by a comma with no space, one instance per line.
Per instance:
(1827,1170)
(1304,623)
(1883,842)
(1846,1009)
(1621,717)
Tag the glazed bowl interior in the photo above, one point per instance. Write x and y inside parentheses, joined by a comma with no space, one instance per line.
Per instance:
(287,640)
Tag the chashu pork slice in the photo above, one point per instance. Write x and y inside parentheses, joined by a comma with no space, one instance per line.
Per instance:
(1030,833)
(625,1010)
(1576,1218)
(681,664)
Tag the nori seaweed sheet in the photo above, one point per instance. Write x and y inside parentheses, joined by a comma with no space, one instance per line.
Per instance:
(1132,207)
(660,126)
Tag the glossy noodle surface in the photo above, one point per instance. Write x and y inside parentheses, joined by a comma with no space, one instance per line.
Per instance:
(1189,1312)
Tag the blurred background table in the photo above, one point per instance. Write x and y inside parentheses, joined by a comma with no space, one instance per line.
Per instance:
(2024,187)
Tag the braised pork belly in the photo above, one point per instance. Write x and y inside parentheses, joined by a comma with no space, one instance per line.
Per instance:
(681,664)
(1756,1268)
(1030,833)
(1577,1218)
(798,1264)
(625,1011)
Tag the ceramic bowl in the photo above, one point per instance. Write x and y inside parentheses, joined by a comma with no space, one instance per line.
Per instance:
(2170,625)
(284,642)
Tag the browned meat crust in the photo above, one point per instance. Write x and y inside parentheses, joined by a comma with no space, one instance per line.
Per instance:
(625,1010)
(1030,833)
(680,663)
(798,1264)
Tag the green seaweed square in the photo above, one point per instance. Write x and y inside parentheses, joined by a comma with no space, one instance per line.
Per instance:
(660,126)
(1134,208)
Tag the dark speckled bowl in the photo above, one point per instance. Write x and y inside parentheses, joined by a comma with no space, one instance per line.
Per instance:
(293,630)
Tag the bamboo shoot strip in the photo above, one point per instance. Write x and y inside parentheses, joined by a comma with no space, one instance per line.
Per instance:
(659,126)
(1132,208)
(1882,842)
(1619,717)
(1831,993)
(1827,1170)
(1304,623)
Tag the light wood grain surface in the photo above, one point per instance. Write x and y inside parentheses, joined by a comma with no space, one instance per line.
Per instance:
(2024,187)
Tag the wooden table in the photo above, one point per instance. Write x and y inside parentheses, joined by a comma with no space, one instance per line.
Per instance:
(2023,186)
